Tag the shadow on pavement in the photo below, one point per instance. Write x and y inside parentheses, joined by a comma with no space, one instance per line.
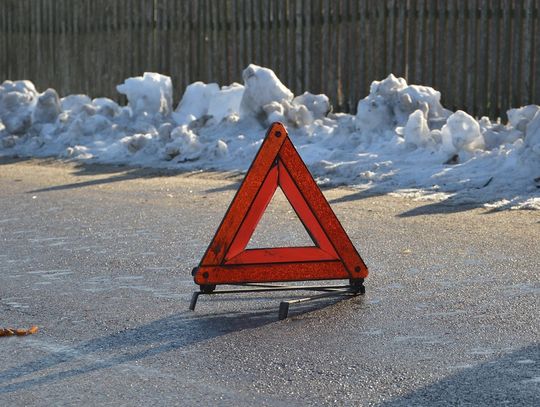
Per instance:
(460,201)
(435,208)
(119,173)
(359,195)
(513,379)
(164,335)
(168,334)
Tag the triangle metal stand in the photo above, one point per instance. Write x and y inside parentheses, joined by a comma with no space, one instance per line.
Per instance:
(356,287)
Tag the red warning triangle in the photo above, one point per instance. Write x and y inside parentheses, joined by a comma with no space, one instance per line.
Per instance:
(227,261)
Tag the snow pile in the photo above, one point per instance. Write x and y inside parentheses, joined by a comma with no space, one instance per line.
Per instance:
(392,101)
(149,94)
(402,140)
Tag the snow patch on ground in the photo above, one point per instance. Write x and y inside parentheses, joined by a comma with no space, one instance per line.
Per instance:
(401,141)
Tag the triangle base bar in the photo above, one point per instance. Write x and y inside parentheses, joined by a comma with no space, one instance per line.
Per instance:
(355,288)
(275,272)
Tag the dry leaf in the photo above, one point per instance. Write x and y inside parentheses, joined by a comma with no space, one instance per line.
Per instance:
(18,332)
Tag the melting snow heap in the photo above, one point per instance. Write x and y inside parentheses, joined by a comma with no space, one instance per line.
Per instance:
(402,140)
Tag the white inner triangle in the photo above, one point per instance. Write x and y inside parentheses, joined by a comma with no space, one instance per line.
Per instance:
(279,226)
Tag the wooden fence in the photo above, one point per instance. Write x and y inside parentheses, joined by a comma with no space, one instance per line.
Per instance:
(483,55)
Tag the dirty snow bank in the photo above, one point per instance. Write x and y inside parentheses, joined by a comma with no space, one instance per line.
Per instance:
(402,140)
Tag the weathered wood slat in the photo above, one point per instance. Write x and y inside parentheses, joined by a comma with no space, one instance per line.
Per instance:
(401,37)
(299,82)
(505,59)
(361,63)
(248,19)
(451,94)
(442,27)
(414,25)
(482,37)
(492,79)
(471,55)
(333,68)
(316,47)
(241,58)
(516,52)
(535,64)
(306,50)
(528,47)
(390,35)
(351,57)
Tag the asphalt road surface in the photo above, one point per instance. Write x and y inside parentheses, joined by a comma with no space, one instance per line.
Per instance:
(99,257)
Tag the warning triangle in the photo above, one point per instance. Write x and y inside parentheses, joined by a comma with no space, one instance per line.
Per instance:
(228,261)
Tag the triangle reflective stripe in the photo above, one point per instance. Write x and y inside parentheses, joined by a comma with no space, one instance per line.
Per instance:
(304,212)
(237,253)
(256,211)
(227,260)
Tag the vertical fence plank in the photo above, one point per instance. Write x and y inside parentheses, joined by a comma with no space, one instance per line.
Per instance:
(163,41)
(410,51)
(214,67)
(345,46)
(442,28)
(400,52)
(517,48)
(205,46)
(493,107)
(306,22)
(516,52)
(316,46)
(280,53)
(273,45)
(291,42)
(265,37)
(242,60)
(256,21)
(535,63)
(191,38)
(471,55)
(229,43)
(504,61)
(3,44)
(234,41)
(15,36)
(325,11)
(6,48)
(526,80)
(450,53)
(430,61)
(420,41)
(333,31)
(380,52)
(352,55)
(481,79)
(390,35)
(299,83)
(248,18)
(361,39)
(133,35)
(26,40)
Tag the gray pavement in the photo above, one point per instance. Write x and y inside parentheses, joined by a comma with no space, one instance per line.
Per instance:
(99,257)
